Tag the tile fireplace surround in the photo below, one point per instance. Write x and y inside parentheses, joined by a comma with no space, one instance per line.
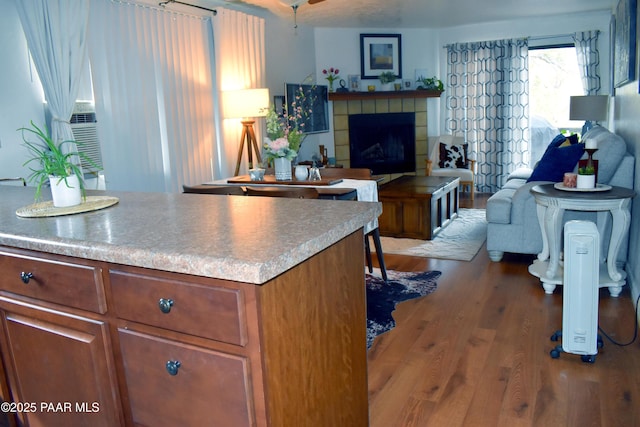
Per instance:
(343,108)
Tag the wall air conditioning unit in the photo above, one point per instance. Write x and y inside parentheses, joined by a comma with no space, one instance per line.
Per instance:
(580,291)
(83,125)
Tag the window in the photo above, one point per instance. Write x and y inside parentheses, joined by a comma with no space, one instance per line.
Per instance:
(553,78)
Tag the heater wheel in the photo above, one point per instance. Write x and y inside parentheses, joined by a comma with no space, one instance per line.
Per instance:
(588,358)
(555,353)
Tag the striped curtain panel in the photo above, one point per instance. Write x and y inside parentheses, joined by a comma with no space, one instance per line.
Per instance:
(240,64)
(487,102)
(153,78)
(588,60)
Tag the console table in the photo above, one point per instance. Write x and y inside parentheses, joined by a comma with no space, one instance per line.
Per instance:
(551,204)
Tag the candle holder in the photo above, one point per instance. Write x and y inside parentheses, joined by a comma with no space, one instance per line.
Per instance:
(590,152)
(589,162)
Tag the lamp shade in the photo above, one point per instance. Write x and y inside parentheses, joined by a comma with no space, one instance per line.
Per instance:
(241,103)
(592,107)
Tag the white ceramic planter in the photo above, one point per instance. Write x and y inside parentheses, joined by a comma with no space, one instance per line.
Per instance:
(586,181)
(301,172)
(282,168)
(65,192)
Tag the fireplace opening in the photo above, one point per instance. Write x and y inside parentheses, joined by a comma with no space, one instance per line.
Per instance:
(384,143)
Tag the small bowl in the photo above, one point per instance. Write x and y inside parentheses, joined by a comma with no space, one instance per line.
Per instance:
(256,174)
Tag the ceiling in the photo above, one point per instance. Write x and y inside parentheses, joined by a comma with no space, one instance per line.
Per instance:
(417,13)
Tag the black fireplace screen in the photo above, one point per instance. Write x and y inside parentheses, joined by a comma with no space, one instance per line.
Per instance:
(384,143)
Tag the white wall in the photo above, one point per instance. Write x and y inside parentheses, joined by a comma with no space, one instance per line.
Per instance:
(290,59)
(424,49)
(21,93)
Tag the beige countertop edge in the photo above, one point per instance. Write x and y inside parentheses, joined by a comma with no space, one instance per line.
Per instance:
(200,265)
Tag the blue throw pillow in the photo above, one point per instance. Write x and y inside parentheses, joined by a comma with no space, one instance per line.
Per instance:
(557,160)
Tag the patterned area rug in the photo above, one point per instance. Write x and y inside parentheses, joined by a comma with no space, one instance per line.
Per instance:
(382,297)
(461,240)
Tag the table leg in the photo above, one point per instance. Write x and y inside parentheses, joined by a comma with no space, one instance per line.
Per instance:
(619,227)
(553,229)
(540,210)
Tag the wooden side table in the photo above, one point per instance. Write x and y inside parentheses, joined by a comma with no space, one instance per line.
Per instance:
(551,204)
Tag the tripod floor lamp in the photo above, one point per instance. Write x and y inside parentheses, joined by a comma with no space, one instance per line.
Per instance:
(246,104)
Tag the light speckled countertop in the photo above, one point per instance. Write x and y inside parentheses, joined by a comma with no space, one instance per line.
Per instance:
(246,239)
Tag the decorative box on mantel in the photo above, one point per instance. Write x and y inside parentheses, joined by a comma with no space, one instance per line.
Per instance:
(381,102)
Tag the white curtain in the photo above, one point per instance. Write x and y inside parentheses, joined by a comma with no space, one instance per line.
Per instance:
(56,32)
(240,64)
(154,78)
(488,103)
(588,60)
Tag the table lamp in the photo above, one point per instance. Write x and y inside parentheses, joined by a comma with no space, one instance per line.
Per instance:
(246,104)
(590,108)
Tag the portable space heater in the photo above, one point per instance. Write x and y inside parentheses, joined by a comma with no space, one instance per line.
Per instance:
(580,292)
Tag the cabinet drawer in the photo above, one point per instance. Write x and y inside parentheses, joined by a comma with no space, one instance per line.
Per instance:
(201,387)
(208,312)
(54,280)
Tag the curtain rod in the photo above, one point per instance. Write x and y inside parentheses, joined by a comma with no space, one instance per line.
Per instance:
(164,3)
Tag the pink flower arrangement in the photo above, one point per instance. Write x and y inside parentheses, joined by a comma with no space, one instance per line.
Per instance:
(331,74)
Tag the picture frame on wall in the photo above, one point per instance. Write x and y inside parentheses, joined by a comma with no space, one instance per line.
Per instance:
(625,42)
(380,53)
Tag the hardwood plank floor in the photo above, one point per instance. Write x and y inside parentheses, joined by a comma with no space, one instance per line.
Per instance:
(476,353)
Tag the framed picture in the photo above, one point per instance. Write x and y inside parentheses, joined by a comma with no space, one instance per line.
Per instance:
(407,84)
(625,42)
(380,53)
(313,98)
(354,83)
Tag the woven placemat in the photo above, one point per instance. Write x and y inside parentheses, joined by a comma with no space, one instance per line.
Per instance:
(44,209)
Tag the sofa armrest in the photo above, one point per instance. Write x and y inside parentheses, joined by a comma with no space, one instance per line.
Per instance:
(523,204)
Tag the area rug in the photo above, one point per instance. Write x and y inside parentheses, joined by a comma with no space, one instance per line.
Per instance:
(382,297)
(460,240)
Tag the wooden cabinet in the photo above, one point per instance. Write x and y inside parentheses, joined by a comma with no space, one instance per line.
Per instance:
(59,362)
(164,349)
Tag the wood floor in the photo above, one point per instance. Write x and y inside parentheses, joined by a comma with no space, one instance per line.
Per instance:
(476,353)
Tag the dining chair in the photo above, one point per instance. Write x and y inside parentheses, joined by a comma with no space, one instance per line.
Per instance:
(361,173)
(293,192)
(231,190)
(346,173)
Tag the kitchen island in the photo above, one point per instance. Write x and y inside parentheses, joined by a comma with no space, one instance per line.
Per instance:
(185,309)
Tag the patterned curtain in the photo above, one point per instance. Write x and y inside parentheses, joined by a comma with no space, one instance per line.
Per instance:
(488,103)
(588,60)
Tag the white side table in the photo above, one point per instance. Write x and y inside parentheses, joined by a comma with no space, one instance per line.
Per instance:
(551,204)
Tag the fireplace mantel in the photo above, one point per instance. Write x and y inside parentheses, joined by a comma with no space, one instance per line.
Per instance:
(351,96)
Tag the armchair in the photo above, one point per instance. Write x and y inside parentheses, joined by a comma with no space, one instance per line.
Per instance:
(449,157)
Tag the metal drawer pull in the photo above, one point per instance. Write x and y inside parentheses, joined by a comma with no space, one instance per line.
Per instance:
(26,277)
(173,366)
(164,304)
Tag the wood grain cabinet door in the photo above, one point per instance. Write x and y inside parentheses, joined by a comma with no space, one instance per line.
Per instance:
(59,367)
(176,384)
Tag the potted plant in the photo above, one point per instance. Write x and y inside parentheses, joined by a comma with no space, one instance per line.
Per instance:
(431,83)
(386,79)
(50,162)
(586,176)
